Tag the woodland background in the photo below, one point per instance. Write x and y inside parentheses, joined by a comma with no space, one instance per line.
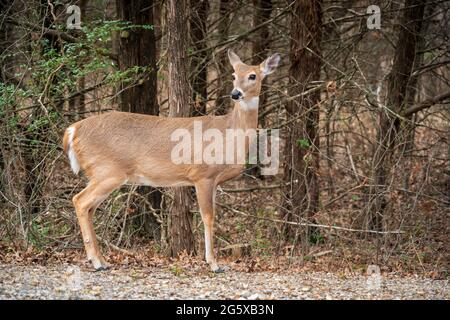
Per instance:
(363,116)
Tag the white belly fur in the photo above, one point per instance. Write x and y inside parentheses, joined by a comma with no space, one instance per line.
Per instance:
(144,181)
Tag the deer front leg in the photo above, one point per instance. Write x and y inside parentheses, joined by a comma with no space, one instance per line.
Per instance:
(205,195)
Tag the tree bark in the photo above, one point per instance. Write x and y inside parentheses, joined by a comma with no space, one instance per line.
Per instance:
(301,198)
(224,69)
(5,65)
(408,134)
(260,51)
(157,22)
(6,35)
(137,48)
(389,124)
(77,103)
(181,237)
(261,42)
(199,69)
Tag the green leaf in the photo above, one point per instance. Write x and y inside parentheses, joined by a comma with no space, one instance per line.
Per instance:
(303,143)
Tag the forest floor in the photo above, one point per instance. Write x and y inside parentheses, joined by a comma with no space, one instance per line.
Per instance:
(72,281)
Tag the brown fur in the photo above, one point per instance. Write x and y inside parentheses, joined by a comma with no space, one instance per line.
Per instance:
(65,142)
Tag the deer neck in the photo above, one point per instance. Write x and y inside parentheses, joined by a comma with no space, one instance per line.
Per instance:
(245,114)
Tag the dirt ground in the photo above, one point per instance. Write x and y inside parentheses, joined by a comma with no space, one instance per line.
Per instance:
(69,281)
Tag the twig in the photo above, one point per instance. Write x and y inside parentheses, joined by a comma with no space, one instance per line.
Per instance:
(114,246)
(322,253)
(350,157)
(427,103)
(276,186)
(303,224)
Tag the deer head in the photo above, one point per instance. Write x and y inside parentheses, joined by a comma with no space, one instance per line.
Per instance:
(247,79)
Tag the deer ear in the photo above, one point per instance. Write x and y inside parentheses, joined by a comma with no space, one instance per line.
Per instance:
(234,58)
(270,64)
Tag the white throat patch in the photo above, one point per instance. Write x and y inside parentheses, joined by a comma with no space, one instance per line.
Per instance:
(251,104)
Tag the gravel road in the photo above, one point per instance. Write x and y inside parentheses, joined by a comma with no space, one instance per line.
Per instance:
(72,282)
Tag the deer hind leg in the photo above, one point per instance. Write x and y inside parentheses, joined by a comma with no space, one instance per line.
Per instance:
(206,197)
(85,204)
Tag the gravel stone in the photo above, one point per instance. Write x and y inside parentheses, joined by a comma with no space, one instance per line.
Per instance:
(72,282)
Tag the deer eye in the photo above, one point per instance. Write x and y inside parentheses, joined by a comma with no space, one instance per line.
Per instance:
(233,77)
(252,77)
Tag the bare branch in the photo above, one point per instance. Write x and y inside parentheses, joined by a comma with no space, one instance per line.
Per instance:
(427,104)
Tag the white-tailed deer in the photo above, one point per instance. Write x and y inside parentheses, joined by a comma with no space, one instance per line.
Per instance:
(127,148)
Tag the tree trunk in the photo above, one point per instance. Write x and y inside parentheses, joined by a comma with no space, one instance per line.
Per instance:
(301,153)
(198,21)
(77,103)
(224,69)
(34,179)
(181,237)
(260,51)
(6,39)
(260,44)
(137,48)
(157,22)
(5,64)
(408,134)
(389,124)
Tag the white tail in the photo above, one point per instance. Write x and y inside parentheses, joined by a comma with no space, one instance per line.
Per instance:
(70,153)
(125,148)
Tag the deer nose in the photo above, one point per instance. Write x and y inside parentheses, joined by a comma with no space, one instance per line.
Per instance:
(236,94)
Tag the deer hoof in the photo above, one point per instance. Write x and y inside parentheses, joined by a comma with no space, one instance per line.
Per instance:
(218,270)
(100,266)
